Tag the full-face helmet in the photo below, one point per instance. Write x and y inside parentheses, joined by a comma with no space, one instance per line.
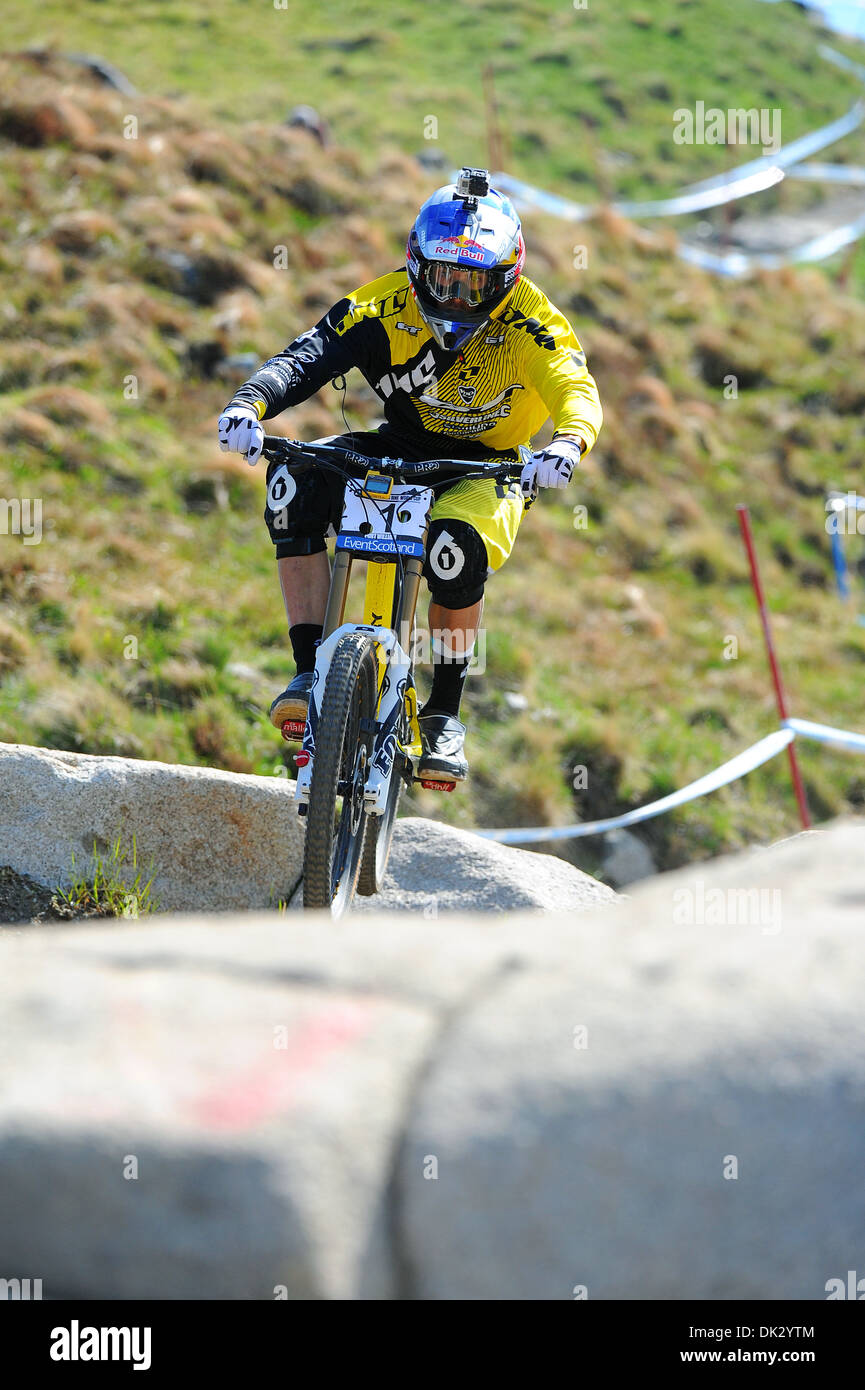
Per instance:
(464,256)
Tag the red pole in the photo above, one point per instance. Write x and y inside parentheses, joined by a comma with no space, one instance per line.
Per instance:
(798,785)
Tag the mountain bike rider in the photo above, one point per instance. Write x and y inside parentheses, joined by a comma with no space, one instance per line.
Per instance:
(469,359)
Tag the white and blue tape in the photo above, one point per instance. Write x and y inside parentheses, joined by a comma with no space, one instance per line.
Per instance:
(751,177)
(739,766)
(824,733)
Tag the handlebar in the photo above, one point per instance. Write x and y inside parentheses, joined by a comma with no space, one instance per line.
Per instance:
(299,456)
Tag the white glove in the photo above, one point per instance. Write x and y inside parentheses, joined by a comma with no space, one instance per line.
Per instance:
(550,467)
(241,432)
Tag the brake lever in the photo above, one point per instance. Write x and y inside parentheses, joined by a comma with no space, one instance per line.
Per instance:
(279,450)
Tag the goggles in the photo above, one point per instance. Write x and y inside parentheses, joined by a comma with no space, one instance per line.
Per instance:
(456,284)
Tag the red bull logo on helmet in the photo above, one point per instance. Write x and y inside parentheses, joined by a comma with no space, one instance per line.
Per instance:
(461,246)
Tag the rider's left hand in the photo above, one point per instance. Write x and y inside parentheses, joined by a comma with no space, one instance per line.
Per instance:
(551,467)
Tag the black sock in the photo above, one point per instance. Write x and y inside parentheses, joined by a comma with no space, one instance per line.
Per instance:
(449,674)
(304,637)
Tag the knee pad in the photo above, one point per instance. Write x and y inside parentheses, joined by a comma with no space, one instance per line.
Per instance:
(456,565)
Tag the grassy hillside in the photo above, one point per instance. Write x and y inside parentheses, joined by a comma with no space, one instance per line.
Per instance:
(585,96)
(147,622)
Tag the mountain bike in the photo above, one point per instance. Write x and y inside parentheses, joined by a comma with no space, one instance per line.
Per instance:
(361,741)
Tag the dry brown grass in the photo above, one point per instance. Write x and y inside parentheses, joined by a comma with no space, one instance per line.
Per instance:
(154,257)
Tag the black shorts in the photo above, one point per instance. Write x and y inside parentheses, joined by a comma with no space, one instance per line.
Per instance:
(473,524)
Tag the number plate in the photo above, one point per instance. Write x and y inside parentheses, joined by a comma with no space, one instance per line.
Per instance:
(394,527)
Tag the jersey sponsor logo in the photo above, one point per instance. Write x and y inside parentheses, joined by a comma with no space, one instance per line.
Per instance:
(462,426)
(494,339)
(465,390)
(345,322)
(391,304)
(423,374)
(498,408)
(467,421)
(381,308)
(283,373)
(537,330)
(407,327)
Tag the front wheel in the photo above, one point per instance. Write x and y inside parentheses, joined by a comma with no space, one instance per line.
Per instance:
(343,747)
(377,838)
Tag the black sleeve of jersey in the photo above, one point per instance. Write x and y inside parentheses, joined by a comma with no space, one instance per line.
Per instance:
(310,362)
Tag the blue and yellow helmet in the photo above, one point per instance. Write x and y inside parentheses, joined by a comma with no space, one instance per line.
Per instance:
(464,256)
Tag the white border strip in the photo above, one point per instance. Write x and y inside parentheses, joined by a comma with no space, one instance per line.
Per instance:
(690,200)
(797,150)
(737,263)
(841,60)
(829,173)
(824,733)
(751,177)
(752,757)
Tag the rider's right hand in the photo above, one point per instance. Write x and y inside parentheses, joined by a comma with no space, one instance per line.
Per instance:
(241,432)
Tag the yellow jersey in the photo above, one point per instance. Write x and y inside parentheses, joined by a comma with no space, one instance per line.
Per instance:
(523,367)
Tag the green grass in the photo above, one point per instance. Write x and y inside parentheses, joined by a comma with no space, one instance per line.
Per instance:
(124,630)
(113,886)
(585,98)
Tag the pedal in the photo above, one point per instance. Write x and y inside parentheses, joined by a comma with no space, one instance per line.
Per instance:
(431,786)
(292,729)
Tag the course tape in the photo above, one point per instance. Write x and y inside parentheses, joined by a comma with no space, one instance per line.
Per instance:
(691,200)
(824,733)
(794,153)
(829,173)
(751,177)
(736,263)
(841,61)
(752,757)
